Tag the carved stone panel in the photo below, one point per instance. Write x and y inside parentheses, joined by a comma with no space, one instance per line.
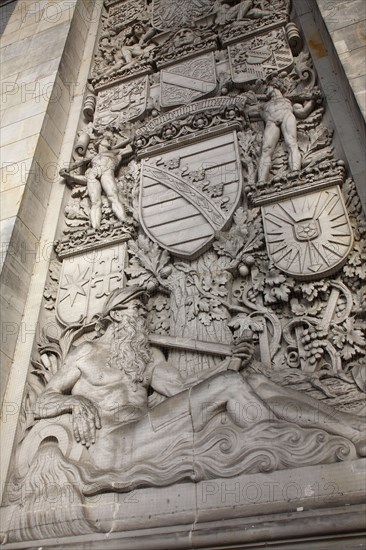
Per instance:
(190,193)
(87,280)
(308,236)
(259,57)
(209,294)
(175,14)
(122,103)
(125,12)
(184,82)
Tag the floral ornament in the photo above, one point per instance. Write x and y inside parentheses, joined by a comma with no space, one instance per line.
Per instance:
(244,328)
(349,338)
(173,164)
(359,302)
(215,283)
(200,121)
(169,131)
(300,308)
(313,290)
(356,264)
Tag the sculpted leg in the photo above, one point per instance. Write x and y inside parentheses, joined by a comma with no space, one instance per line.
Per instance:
(110,189)
(270,140)
(228,392)
(289,130)
(95,193)
(301,409)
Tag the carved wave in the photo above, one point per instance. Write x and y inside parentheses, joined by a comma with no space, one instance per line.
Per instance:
(49,502)
(227,451)
(221,449)
(172,464)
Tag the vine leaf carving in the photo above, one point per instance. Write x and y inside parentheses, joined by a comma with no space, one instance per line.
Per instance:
(349,338)
(273,285)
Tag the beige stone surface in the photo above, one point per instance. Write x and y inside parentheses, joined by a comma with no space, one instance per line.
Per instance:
(40,38)
(41,174)
(346,23)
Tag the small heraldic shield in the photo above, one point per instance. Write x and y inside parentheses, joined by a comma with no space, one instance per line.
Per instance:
(87,279)
(184,82)
(189,194)
(308,236)
(259,57)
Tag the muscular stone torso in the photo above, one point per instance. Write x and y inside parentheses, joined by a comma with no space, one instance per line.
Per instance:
(119,400)
(105,160)
(276,109)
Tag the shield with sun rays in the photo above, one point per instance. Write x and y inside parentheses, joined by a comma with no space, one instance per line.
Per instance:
(308,236)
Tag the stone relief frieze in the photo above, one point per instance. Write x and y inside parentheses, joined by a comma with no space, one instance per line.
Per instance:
(210,271)
(183,44)
(249,17)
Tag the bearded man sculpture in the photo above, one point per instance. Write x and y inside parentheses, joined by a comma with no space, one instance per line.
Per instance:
(104,386)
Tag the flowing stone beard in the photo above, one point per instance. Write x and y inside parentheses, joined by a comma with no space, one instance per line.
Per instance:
(130,347)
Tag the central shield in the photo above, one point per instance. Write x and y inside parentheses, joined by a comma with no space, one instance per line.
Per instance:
(189,194)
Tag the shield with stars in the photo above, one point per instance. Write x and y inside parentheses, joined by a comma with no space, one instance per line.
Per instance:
(308,236)
(87,279)
(190,193)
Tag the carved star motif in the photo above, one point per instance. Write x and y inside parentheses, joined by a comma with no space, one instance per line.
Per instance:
(75,284)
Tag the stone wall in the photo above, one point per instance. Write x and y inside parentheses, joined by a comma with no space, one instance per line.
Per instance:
(346,23)
(41,54)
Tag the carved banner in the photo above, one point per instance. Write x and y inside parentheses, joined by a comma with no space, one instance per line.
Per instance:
(122,103)
(175,14)
(260,57)
(182,83)
(87,280)
(308,236)
(189,194)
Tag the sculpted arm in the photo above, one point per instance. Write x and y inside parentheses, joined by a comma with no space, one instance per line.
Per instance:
(303,111)
(167,380)
(57,399)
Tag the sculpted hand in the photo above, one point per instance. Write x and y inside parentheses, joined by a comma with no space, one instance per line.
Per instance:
(85,420)
(64,173)
(243,350)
